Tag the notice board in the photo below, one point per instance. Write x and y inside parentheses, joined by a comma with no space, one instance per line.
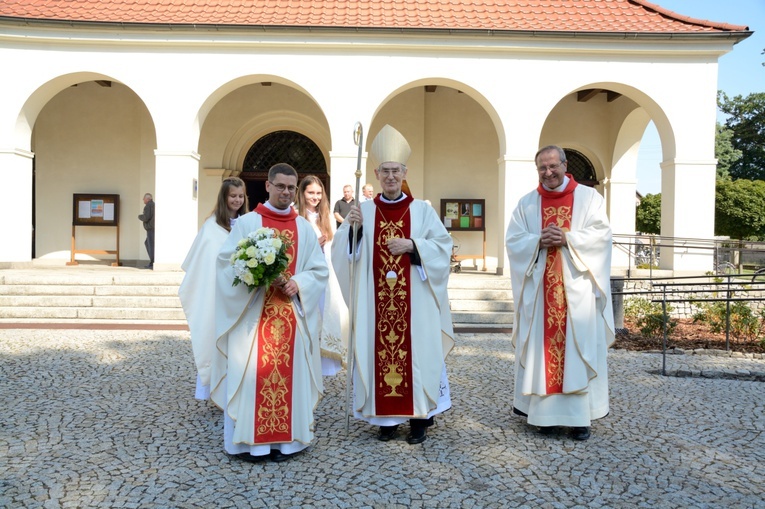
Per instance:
(96,210)
(463,214)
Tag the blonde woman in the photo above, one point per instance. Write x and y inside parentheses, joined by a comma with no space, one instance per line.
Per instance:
(313,205)
(197,291)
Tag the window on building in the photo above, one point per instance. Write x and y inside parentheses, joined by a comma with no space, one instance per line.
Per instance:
(581,168)
(289,147)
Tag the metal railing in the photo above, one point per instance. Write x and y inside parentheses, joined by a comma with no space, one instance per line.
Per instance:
(728,255)
(697,290)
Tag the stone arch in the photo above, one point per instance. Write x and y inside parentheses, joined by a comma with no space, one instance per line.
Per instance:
(457,139)
(246,133)
(239,113)
(91,109)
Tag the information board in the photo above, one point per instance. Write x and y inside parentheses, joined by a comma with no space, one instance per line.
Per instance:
(96,210)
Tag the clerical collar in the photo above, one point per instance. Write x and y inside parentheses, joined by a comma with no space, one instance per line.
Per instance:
(283,212)
(398,198)
(560,188)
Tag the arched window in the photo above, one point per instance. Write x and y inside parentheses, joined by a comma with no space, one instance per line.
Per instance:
(289,147)
(581,168)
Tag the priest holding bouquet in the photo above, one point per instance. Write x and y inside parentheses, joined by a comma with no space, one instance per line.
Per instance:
(403,327)
(266,375)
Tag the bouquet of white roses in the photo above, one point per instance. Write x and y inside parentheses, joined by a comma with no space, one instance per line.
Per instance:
(260,258)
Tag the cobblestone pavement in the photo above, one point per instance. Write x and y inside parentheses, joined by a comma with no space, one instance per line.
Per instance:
(107,419)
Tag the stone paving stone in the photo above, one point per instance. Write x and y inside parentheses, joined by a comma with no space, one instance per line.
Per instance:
(104,418)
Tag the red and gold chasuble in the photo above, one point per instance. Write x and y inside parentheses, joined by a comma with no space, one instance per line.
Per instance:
(557,208)
(393,312)
(276,345)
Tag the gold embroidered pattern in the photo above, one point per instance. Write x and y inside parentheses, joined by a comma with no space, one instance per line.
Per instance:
(276,333)
(392,310)
(274,407)
(555,302)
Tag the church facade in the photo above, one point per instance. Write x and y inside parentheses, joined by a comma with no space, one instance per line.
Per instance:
(99,100)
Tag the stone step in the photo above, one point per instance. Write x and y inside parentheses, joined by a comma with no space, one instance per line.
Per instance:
(35,289)
(482,317)
(90,301)
(481,305)
(479,294)
(477,300)
(86,313)
(478,280)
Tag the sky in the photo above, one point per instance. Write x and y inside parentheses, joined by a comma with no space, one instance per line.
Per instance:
(740,71)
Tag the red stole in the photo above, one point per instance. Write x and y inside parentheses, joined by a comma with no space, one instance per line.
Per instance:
(276,345)
(393,312)
(557,209)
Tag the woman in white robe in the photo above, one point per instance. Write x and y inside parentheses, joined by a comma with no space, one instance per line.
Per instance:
(312,204)
(197,291)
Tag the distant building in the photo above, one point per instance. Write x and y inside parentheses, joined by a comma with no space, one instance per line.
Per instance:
(170,97)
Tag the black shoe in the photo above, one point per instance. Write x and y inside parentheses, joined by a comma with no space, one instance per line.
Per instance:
(580,433)
(547,430)
(518,412)
(249,458)
(150,266)
(387,433)
(278,456)
(417,433)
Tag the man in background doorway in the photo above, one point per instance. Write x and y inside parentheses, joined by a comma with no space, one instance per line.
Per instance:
(148,224)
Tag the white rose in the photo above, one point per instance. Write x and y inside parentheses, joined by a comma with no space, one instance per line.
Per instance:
(251,252)
(269,258)
(277,243)
(247,278)
(252,262)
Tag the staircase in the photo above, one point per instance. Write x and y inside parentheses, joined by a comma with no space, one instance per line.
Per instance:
(480,301)
(83,294)
(126,296)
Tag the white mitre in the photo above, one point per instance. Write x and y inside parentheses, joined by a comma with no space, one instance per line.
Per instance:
(390,146)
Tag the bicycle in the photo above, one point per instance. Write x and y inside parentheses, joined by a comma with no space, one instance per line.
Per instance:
(726,269)
(759,276)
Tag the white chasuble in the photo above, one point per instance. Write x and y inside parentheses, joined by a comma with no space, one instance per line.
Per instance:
(589,331)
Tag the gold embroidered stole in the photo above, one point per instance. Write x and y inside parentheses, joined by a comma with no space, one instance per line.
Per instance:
(393,339)
(276,346)
(557,208)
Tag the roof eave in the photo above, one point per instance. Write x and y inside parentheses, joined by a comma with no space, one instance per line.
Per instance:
(737,35)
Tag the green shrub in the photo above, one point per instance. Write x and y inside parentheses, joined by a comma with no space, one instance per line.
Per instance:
(744,323)
(648,317)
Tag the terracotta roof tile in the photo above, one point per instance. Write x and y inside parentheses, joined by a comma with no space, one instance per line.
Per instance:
(497,15)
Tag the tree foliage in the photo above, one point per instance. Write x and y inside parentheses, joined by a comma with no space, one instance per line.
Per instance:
(740,209)
(746,120)
(648,214)
(725,153)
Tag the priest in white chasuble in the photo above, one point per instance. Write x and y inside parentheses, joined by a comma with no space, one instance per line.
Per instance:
(403,327)
(266,375)
(559,246)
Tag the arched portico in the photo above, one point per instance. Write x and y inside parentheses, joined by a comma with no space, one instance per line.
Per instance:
(606,121)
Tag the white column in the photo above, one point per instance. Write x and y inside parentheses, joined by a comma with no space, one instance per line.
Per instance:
(517,176)
(16,206)
(620,200)
(343,172)
(176,208)
(687,212)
